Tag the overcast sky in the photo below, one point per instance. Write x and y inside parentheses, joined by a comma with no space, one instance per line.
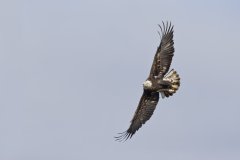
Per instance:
(71,75)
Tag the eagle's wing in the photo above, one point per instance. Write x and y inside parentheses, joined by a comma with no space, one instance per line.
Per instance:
(143,113)
(164,54)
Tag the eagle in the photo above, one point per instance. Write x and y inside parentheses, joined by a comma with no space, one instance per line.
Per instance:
(159,82)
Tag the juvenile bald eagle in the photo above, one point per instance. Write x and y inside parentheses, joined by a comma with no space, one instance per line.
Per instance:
(158,81)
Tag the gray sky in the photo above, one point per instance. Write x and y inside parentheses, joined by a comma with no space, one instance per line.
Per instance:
(71,76)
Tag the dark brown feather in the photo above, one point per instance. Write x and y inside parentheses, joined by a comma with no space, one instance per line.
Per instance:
(143,113)
(163,57)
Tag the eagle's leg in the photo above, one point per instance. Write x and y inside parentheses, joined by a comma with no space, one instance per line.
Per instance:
(164,90)
(164,84)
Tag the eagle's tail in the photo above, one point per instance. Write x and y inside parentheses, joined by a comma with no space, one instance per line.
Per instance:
(174,78)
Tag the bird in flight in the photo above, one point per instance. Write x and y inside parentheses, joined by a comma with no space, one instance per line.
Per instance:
(159,81)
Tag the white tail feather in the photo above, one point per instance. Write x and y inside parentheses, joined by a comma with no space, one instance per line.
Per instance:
(174,78)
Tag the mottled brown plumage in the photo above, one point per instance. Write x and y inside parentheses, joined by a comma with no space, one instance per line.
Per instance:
(157,82)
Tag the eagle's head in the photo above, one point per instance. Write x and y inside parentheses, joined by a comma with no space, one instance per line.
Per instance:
(147,84)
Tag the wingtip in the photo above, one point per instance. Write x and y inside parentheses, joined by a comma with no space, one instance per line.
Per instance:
(165,28)
(123,137)
(160,28)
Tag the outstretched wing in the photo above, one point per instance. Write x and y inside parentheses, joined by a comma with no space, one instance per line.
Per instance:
(143,113)
(164,54)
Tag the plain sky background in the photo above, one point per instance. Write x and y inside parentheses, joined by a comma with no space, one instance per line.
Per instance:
(71,76)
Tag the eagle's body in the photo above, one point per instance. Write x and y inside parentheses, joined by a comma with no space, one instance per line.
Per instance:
(158,81)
